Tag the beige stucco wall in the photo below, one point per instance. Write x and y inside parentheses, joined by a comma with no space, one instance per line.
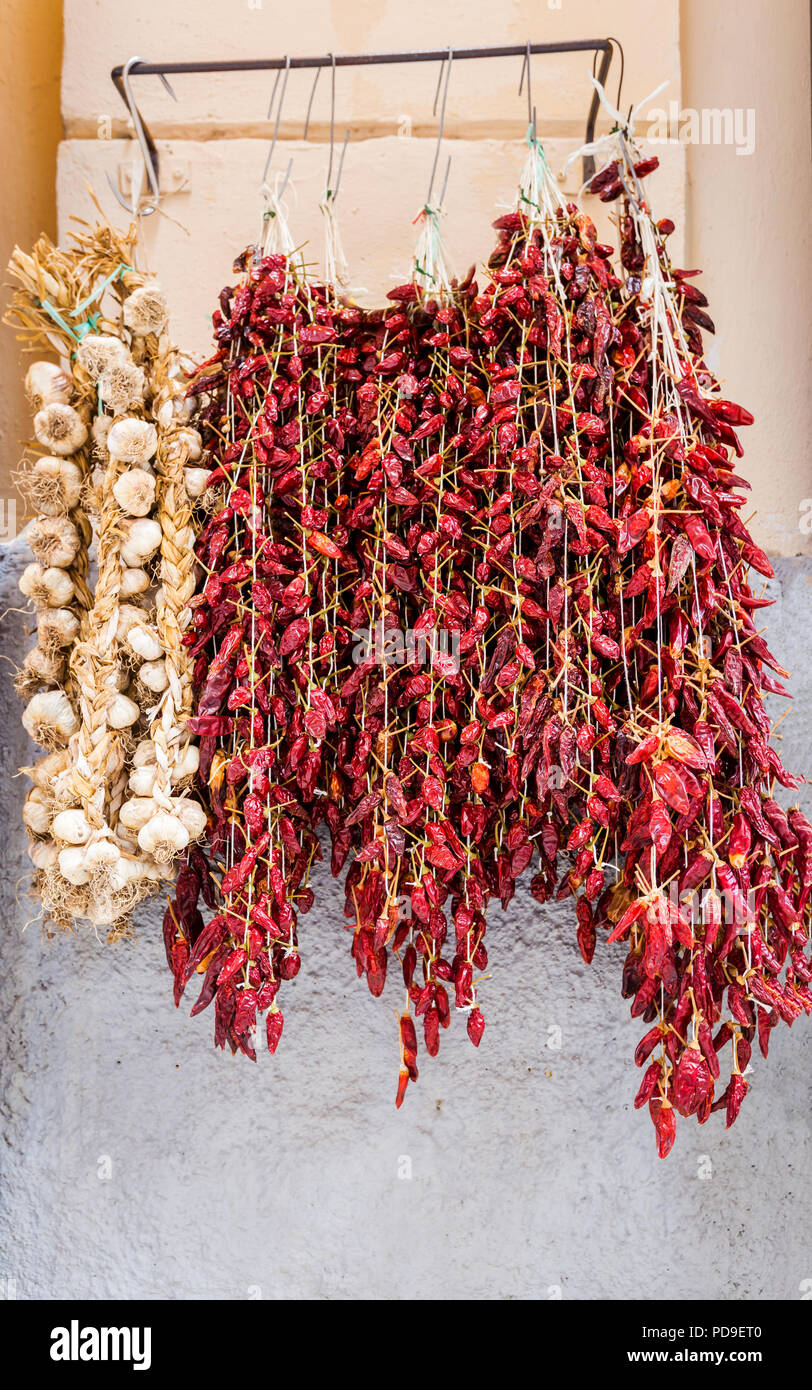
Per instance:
(31,127)
(729,208)
(749,226)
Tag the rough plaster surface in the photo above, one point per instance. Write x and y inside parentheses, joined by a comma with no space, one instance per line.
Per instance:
(520,1171)
(99,34)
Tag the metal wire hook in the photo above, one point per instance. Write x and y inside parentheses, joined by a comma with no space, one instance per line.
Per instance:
(146,144)
(531,113)
(276,125)
(619,46)
(449,61)
(310,102)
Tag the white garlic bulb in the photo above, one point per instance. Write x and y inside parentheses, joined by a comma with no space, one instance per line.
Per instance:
(194,444)
(72,866)
(144,642)
(60,429)
(135,492)
(98,351)
(56,627)
(142,779)
(49,718)
(44,770)
(163,837)
(47,384)
(72,826)
(190,814)
(153,675)
(144,753)
(54,540)
(122,712)
(121,385)
(142,538)
(51,588)
(137,811)
(187,764)
(43,854)
(54,484)
(45,665)
(128,615)
(145,310)
(132,441)
(196,480)
(37,812)
(101,854)
(133,581)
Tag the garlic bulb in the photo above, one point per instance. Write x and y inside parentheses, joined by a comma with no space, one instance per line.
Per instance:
(101,854)
(44,770)
(132,441)
(54,540)
(43,854)
(72,826)
(153,675)
(137,811)
(121,386)
(123,872)
(44,665)
(47,384)
(49,718)
(142,779)
(60,429)
(49,588)
(54,485)
(163,837)
(196,480)
(56,627)
(190,814)
(193,442)
(98,351)
(72,866)
(145,310)
(144,642)
(135,492)
(133,581)
(128,615)
(37,812)
(122,712)
(141,540)
(144,753)
(187,764)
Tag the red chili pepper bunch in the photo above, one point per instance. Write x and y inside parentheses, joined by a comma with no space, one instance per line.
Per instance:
(487,533)
(264,635)
(692,761)
(407,684)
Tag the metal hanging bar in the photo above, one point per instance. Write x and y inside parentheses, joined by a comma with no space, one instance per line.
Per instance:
(604,47)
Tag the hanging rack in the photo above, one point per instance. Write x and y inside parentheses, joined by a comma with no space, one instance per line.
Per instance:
(138,68)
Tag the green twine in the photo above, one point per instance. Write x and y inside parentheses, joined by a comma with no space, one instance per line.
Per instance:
(90,322)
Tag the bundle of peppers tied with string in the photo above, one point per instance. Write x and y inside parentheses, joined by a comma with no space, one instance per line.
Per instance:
(107,686)
(473,593)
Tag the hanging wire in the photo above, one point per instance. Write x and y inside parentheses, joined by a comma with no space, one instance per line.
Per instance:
(146,146)
(447,68)
(276,126)
(531,110)
(310,102)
